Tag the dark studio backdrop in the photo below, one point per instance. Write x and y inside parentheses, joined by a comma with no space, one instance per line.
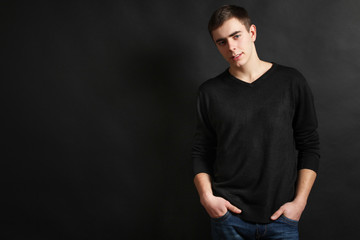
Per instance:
(99,106)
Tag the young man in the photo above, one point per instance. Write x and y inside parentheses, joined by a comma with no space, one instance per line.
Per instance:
(256,149)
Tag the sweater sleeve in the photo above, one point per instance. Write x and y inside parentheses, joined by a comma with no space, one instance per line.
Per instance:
(204,142)
(305,127)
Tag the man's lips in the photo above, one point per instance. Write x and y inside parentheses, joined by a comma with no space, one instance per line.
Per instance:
(237,56)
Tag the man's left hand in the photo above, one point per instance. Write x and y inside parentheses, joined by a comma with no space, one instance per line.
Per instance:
(292,210)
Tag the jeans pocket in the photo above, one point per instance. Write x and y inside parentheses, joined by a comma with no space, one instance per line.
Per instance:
(222,218)
(289,221)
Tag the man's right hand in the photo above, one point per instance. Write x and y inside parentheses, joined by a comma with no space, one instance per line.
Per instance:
(217,206)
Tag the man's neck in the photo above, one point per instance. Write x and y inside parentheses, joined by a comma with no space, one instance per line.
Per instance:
(251,71)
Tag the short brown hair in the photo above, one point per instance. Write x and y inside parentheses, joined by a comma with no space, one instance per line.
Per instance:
(226,12)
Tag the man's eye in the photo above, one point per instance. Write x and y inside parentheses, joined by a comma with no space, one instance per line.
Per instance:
(236,36)
(221,43)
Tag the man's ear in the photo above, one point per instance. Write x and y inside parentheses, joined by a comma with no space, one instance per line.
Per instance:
(252,32)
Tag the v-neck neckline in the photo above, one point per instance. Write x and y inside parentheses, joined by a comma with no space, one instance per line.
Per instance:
(257,81)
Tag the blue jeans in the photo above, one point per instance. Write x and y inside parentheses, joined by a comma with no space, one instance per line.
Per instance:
(231,227)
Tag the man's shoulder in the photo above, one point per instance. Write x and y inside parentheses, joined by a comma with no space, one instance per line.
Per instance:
(214,82)
(289,71)
(292,76)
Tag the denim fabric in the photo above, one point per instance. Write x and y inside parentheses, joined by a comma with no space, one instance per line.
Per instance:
(231,227)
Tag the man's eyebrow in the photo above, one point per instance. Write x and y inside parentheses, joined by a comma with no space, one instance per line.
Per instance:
(232,34)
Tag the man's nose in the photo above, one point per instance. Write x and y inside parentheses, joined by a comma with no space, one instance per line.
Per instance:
(232,46)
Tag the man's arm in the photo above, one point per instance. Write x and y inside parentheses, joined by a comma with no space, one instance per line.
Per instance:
(215,206)
(203,155)
(307,143)
(294,209)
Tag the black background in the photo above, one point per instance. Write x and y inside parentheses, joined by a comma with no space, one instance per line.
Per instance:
(99,108)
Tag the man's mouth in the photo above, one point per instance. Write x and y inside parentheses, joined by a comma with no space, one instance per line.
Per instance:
(237,56)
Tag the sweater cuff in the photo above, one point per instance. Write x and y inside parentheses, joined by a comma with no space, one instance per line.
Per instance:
(200,166)
(309,162)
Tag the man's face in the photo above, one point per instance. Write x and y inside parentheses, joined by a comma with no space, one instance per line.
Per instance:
(235,42)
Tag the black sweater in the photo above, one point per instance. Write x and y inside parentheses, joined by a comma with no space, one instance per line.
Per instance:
(252,138)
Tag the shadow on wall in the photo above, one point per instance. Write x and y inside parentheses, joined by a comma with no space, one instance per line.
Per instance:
(160,110)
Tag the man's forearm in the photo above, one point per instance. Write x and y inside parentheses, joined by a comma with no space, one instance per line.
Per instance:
(294,209)
(215,206)
(305,182)
(203,184)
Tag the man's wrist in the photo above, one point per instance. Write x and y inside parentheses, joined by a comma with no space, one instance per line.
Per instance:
(206,195)
(300,201)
